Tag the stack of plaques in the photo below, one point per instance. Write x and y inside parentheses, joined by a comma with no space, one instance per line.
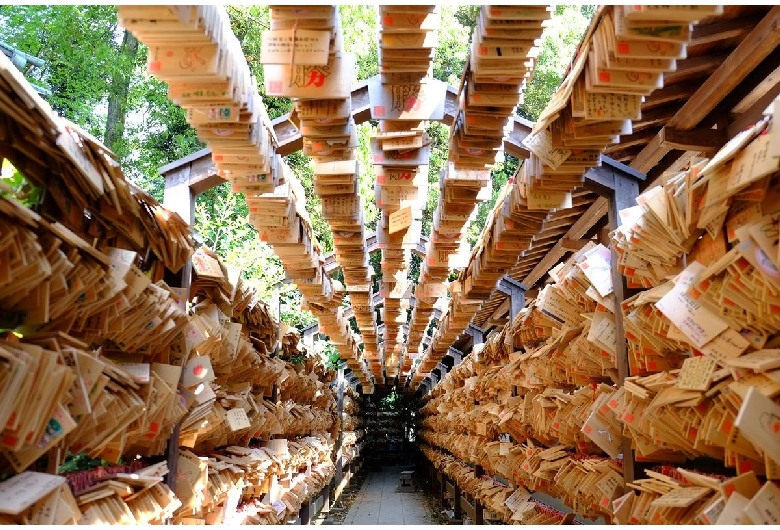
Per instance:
(453,321)
(500,62)
(401,162)
(420,319)
(213,83)
(282,221)
(319,74)
(403,98)
(622,59)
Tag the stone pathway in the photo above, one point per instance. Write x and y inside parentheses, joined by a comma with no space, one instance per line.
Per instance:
(380,502)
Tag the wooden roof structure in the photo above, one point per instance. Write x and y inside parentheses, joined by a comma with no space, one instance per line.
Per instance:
(730,75)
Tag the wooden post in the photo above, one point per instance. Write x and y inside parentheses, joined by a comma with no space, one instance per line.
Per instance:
(326,493)
(477,334)
(516,293)
(479,516)
(179,198)
(304,514)
(619,184)
(456,507)
(456,354)
(340,407)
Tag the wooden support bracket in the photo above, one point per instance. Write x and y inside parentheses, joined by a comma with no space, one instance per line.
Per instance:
(703,140)
(573,245)
(516,292)
(477,334)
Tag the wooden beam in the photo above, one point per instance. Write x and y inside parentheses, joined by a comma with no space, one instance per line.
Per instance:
(757,45)
(682,162)
(573,245)
(729,29)
(657,116)
(626,156)
(501,312)
(695,67)
(704,140)
(290,140)
(656,160)
(652,153)
(750,109)
(720,114)
(631,140)
(669,93)
(767,87)
(597,210)
(664,173)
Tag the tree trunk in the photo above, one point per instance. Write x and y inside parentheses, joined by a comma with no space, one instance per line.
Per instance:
(117,98)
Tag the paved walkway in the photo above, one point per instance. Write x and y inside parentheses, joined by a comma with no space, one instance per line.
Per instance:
(379,501)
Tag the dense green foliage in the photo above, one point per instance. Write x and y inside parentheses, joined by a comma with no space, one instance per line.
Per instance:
(89,67)
(557,51)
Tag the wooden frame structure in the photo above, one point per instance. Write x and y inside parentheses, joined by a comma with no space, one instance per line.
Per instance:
(731,74)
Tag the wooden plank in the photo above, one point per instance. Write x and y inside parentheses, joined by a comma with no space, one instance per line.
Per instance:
(468,508)
(685,160)
(451,489)
(705,140)
(753,113)
(722,112)
(667,94)
(497,314)
(669,166)
(652,153)
(653,117)
(757,45)
(695,67)
(573,245)
(638,138)
(766,92)
(625,156)
(728,29)
(597,211)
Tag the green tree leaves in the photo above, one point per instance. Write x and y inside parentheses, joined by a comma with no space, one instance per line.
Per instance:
(359,23)
(79,45)
(559,43)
